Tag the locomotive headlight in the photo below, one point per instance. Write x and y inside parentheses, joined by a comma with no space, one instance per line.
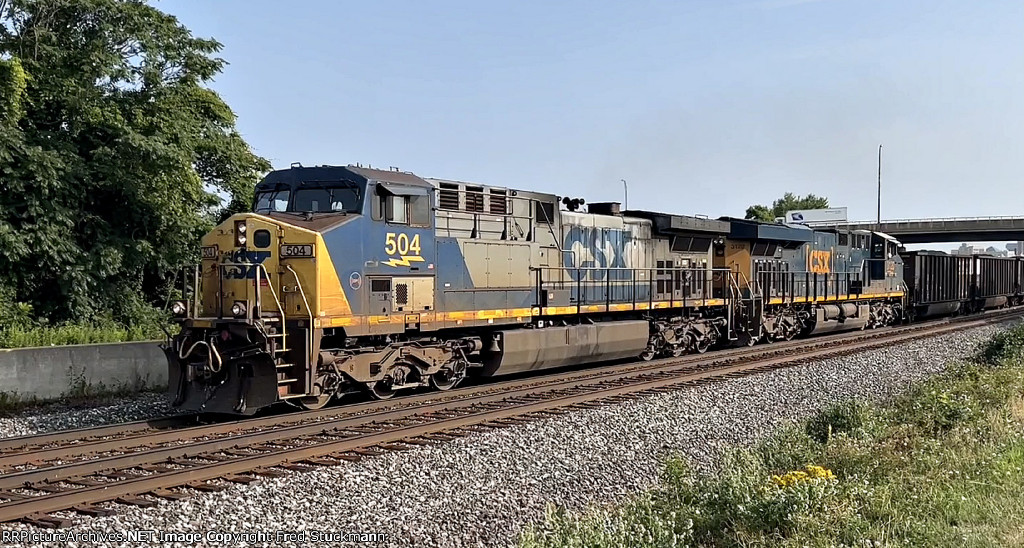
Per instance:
(238,309)
(240,229)
(178,308)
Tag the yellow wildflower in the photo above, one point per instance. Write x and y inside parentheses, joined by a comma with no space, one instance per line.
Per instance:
(810,473)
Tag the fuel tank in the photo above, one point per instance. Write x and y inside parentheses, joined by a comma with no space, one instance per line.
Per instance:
(518,350)
(840,317)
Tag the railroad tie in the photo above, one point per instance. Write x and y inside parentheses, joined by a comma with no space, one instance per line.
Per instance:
(297,466)
(206,487)
(394,447)
(319,461)
(367,451)
(46,521)
(135,501)
(49,488)
(93,510)
(417,441)
(241,478)
(349,457)
(269,473)
(85,482)
(168,494)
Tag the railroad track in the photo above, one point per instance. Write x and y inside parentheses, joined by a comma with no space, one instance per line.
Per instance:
(36,449)
(142,462)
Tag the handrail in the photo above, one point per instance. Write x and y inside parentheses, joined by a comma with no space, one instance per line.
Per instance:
(259,303)
(703,281)
(309,311)
(645,269)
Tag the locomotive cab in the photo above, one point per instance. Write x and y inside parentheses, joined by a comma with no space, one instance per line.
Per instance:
(248,336)
(279,301)
(885,259)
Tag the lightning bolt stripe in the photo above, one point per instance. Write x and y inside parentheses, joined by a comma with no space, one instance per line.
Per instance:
(405,260)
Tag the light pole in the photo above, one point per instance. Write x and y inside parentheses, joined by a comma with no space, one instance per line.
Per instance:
(878,220)
(625,193)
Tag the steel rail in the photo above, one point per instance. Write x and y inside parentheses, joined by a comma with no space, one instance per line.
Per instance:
(82,434)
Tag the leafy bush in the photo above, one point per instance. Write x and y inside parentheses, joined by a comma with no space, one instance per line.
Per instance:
(12,312)
(1003,347)
(841,418)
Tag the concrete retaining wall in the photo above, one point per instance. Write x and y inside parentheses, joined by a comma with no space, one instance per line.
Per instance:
(55,372)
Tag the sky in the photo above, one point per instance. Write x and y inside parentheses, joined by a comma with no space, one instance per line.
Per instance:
(703,107)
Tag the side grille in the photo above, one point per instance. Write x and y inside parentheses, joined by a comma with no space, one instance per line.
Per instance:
(499,201)
(474,198)
(448,196)
(401,293)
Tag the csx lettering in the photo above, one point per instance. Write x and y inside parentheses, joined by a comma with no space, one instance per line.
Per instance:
(597,248)
(819,262)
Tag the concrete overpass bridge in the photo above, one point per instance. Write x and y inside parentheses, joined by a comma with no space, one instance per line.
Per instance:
(955,229)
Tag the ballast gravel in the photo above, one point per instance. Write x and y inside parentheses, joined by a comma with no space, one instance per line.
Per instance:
(58,416)
(484,489)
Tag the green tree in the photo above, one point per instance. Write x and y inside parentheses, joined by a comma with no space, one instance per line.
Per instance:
(788,202)
(112,154)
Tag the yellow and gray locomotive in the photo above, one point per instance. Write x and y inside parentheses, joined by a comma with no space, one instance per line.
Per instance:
(352,279)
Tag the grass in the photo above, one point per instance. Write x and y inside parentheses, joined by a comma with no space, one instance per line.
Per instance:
(56,335)
(943,465)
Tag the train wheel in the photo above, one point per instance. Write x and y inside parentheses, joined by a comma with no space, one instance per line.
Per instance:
(702,345)
(313,403)
(445,380)
(382,390)
(648,354)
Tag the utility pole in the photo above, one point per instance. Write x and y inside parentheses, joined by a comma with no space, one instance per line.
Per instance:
(625,192)
(878,221)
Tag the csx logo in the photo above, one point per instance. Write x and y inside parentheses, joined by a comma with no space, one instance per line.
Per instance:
(597,248)
(819,262)
(244,271)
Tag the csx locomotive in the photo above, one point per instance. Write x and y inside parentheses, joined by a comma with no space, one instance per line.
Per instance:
(351,279)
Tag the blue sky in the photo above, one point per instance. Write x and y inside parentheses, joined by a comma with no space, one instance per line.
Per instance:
(702,106)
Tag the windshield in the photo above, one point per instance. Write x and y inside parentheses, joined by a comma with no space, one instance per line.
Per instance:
(328,197)
(272,200)
(313,197)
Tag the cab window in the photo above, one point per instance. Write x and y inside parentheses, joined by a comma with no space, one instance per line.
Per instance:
(412,210)
(271,200)
(419,210)
(396,209)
